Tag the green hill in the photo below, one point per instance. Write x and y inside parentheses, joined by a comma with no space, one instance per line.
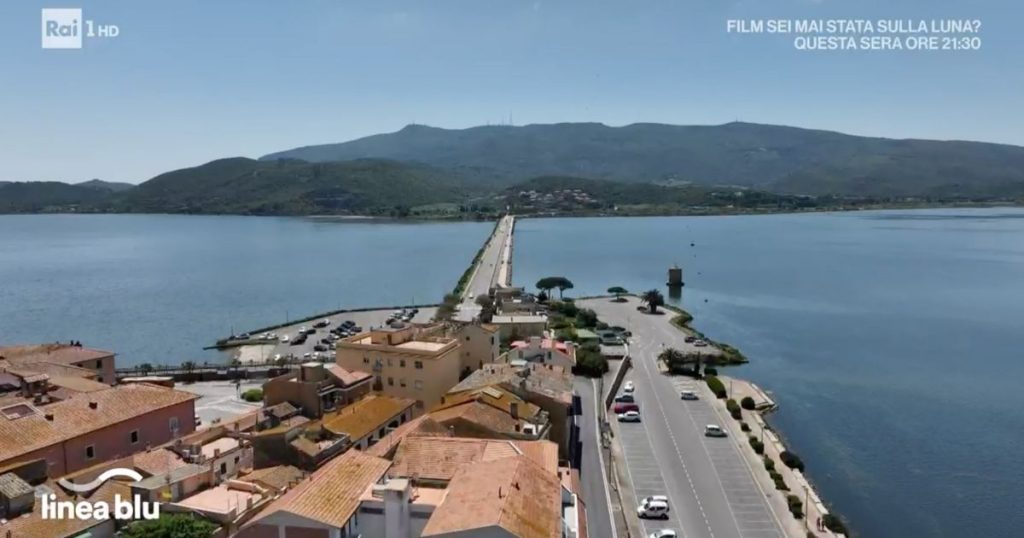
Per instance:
(775,158)
(292,187)
(47,196)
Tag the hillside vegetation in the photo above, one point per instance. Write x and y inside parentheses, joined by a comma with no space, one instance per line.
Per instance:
(775,158)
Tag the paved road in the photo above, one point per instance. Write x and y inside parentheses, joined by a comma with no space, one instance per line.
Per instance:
(593,480)
(496,253)
(709,484)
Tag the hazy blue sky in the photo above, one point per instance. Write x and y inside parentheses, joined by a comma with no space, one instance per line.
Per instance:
(188,81)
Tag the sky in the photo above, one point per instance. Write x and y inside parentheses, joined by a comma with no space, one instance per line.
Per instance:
(189,81)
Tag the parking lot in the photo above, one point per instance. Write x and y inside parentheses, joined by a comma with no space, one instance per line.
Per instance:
(365,319)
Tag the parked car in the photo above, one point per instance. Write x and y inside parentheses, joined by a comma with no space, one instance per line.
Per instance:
(311,330)
(628,398)
(690,339)
(663,533)
(322,323)
(653,510)
(320,347)
(356,329)
(285,338)
(713,430)
(700,343)
(629,387)
(688,395)
(624,407)
(629,416)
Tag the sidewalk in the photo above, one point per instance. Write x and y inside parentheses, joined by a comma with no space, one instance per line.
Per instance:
(814,509)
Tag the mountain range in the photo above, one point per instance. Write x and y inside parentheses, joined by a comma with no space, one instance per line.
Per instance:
(480,167)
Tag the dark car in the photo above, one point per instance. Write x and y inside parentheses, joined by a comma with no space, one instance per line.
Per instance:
(627,398)
(325,340)
(298,341)
(311,330)
(356,329)
(320,347)
(348,323)
(625,406)
(690,339)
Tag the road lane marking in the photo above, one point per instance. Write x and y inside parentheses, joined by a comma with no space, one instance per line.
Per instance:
(600,457)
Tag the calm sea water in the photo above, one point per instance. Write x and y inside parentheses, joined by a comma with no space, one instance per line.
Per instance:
(894,342)
(158,288)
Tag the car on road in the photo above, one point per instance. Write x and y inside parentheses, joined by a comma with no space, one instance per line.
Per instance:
(322,323)
(700,343)
(653,510)
(627,398)
(713,430)
(690,339)
(311,330)
(320,347)
(629,387)
(663,533)
(629,416)
(285,338)
(688,395)
(655,498)
(625,407)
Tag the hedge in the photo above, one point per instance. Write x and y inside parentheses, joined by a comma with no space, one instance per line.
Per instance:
(796,506)
(716,386)
(253,395)
(769,464)
(744,427)
(791,460)
(834,524)
(733,408)
(757,444)
(747,403)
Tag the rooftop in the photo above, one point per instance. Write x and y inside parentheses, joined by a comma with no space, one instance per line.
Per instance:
(549,380)
(279,477)
(423,345)
(32,524)
(365,416)
(157,462)
(545,343)
(422,426)
(332,494)
(490,408)
(512,493)
(439,458)
(80,414)
(537,318)
(224,499)
(55,353)
(221,445)
(346,377)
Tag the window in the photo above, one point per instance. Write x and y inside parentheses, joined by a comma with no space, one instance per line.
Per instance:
(418,365)
(401,382)
(135,437)
(391,381)
(401,363)
(418,384)
(236,460)
(173,424)
(90,452)
(366,360)
(467,338)
(224,468)
(492,340)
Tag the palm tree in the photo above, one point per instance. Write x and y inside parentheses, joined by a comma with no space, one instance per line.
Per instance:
(653,299)
(618,291)
(672,357)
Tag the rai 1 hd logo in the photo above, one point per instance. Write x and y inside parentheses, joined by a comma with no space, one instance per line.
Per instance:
(66,28)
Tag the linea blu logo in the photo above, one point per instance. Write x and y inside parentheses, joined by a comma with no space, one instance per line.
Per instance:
(124,509)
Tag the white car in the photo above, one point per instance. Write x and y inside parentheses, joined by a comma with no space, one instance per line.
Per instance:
(629,387)
(663,533)
(285,338)
(307,355)
(700,343)
(688,395)
(654,509)
(629,416)
(655,498)
(713,430)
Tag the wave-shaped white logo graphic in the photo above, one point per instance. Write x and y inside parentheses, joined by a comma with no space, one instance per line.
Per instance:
(103,477)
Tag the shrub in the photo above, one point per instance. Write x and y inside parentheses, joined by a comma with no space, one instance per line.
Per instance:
(780,484)
(744,427)
(796,506)
(586,318)
(716,386)
(747,403)
(253,395)
(757,444)
(734,408)
(834,524)
(769,464)
(791,460)
(590,362)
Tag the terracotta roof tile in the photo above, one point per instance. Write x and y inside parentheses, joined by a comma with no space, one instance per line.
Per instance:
(439,458)
(56,353)
(74,416)
(279,477)
(511,493)
(332,494)
(157,462)
(365,416)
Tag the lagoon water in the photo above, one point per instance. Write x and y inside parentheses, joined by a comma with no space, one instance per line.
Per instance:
(894,341)
(157,288)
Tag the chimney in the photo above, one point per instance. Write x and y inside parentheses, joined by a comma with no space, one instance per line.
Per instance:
(93,405)
(513,409)
(49,416)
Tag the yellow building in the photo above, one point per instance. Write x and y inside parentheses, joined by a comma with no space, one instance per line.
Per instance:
(407,361)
